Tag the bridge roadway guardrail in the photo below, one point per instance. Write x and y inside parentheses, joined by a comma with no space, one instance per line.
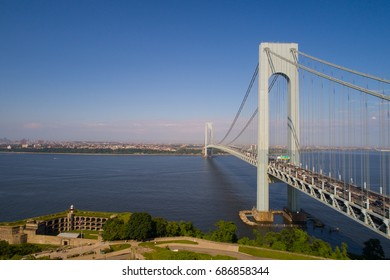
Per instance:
(251,159)
(368,208)
(350,200)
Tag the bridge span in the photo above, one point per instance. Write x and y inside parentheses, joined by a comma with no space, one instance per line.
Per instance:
(315,105)
(366,207)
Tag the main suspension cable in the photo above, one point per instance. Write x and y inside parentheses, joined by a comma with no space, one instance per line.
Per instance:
(344,68)
(254,113)
(242,103)
(379,95)
(247,124)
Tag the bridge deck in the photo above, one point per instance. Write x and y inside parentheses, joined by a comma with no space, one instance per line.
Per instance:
(367,207)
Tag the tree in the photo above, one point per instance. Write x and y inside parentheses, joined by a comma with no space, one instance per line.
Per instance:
(259,238)
(173,229)
(226,232)
(16,251)
(140,227)
(188,229)
(5,249)
(321,248)
(344,251)
(114,229)
(337,253)
(160,227)
(296,240)
(246,241)
(279,245)
(271,238)
(373,250)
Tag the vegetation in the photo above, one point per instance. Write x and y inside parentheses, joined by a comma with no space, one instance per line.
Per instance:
(373,250)
(62,214)
(166,254)
(106,250)
(141,226)
(160,226)
(297,241)
(94,214)
(114,229)
(87,234)
(225,232)
(119,247)
(16,252)
(14,223)
(274,254)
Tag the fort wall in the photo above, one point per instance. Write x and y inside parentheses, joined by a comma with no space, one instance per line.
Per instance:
(46,231)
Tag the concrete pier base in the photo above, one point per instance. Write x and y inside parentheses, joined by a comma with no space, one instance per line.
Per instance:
(296,216)
(263,216)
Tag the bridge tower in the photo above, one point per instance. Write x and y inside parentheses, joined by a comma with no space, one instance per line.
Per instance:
(208,139)
(270,65)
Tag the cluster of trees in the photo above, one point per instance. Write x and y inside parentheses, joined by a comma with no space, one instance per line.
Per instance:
(373,250)
(142,226)
(225,232)
(297,241)
(16,252)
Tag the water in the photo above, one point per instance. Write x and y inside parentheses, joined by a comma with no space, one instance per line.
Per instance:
(176,188)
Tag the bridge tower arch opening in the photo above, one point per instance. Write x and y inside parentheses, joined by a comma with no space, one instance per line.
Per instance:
(269,66)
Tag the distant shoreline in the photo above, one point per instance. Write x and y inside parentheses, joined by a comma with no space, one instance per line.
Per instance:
(100,154)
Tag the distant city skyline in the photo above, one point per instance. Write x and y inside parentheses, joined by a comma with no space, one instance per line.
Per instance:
(156,71)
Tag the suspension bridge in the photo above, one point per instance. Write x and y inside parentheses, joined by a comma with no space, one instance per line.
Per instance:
(321,128)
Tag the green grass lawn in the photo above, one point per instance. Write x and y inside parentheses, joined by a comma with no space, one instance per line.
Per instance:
(275,255)
(166,254)
(88,234)
(118,247)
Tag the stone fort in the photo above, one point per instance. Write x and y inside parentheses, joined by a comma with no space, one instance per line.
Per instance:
(53,229)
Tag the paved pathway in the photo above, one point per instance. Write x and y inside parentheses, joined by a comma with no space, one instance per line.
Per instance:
(94,251)
(208,247)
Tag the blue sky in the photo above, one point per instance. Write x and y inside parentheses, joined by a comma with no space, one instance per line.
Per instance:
(156,71)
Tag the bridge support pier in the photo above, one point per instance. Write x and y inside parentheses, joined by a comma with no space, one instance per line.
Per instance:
(293,199)
(208,139)
(263,216)
(207,152)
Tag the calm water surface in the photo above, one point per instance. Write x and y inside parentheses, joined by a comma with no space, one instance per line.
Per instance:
(177,188)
